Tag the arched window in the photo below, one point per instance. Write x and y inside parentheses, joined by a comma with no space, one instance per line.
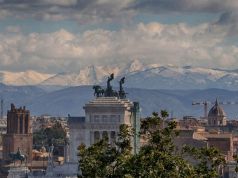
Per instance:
(113,137)
(96,136)
(105,135)
(21,124)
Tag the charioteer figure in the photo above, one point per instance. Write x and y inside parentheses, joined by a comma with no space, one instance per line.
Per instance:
(109,92)
(122,93)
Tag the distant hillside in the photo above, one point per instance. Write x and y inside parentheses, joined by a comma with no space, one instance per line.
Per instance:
(20,95)
(71,100)
(178,102)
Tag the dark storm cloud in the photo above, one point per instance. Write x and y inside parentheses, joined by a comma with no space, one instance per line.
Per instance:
(90,11)
(228,18)
(80,10)
(159,6)
(227,9)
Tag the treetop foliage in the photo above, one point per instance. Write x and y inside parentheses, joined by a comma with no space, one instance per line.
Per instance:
(158,158)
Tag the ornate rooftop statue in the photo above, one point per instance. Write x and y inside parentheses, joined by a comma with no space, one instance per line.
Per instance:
(109,79)
(122,93)
(98,91)
(109,92)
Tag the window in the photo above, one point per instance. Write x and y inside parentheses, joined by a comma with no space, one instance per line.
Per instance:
(96,118)
(96,136)
(21,124)
(113,137)
(119,118)
(104,118)
(105,134)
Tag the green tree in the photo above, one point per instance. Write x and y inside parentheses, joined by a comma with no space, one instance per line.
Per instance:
(158,156)
(156,159)
(209,161)
(54,135)
(104,160)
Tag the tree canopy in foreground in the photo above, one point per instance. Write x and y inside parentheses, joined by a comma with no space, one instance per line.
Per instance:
(158,158)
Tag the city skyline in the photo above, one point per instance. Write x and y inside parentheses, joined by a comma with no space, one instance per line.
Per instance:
(54,36)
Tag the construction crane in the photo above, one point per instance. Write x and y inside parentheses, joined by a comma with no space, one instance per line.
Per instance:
(206,103)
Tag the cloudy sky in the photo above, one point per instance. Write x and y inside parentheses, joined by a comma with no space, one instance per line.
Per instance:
(66,35)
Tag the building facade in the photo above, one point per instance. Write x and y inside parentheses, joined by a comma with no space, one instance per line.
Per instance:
(19,135)
(103,117)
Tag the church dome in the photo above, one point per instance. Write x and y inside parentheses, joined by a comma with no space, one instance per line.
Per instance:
(216,111)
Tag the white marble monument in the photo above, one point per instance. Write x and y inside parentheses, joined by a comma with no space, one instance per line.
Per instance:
(103,117)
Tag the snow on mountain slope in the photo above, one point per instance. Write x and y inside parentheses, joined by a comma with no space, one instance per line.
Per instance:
(88,76)
(182,78)
(138,75)
(92,74)
(22,78)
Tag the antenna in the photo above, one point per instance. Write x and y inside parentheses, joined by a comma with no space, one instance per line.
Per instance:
(1,108)
(172,114)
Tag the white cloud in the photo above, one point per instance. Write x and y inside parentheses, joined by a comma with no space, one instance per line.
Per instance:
(180,44)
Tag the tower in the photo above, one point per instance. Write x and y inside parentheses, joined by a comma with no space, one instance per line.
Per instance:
(18,134)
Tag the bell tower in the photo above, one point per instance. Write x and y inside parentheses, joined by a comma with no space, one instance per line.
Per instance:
(18,134)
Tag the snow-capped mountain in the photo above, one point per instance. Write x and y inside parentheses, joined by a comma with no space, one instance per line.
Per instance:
(22,78)
(151,76)
(93,74)
(138,75)
(171,77)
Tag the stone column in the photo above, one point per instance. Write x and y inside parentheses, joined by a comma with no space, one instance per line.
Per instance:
(18,124)
(23,123)
(8,123)
(100,133)
(116,136)
(109,137)
(91,137)
(28,124)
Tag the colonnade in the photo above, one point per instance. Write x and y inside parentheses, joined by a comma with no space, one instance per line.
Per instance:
(95,136)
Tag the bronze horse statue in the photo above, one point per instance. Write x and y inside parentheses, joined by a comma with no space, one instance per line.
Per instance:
(17,156)
(98,91)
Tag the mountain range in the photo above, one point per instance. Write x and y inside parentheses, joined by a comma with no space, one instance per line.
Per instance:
(72,99)
(156,87)
(138,75)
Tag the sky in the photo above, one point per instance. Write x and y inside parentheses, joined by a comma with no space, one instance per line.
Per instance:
(54,36)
